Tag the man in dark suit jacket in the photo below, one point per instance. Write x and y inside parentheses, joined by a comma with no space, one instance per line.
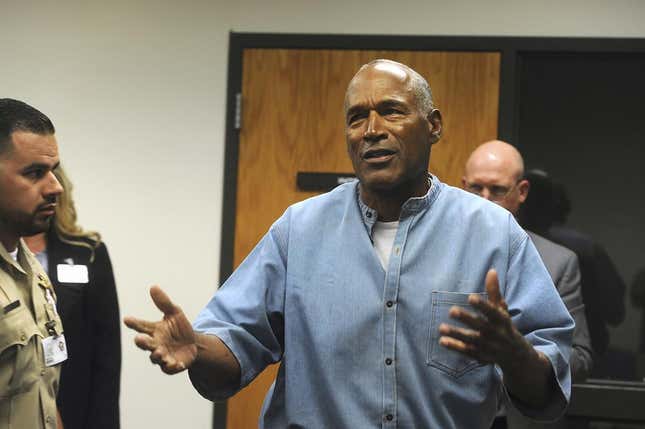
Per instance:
(603,290)
(495,171)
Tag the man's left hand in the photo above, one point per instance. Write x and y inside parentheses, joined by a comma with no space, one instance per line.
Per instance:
(491,336)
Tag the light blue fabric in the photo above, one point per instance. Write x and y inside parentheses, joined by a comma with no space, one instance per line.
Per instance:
(313,295)
(42,258)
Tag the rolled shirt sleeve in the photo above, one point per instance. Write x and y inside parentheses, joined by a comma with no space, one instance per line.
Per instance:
(247,312)
(538,312)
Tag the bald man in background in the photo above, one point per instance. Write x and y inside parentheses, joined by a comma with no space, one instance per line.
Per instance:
(495,171)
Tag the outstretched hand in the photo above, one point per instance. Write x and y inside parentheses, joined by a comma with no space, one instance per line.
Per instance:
(491,336)
(170,341)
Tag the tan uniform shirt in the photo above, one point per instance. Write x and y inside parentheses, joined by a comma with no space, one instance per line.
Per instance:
(27,386)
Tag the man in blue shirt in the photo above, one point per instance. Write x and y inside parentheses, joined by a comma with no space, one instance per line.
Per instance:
(378,298)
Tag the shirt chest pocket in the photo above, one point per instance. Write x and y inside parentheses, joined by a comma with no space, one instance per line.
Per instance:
(19,337)
(451,362)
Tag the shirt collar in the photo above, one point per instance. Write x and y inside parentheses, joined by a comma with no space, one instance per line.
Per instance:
(6,256)
(411,207)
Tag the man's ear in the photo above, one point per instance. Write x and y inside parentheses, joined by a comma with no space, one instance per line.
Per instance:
(523,186)
(436,125)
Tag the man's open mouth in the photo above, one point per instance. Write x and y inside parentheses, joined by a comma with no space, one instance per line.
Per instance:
(378,155)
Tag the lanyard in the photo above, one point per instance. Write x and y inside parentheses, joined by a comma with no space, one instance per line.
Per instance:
(52,327)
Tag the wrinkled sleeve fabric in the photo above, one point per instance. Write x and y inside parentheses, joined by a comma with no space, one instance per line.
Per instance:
(540,315)
(247,312)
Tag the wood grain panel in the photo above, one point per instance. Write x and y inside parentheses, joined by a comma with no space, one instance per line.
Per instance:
(293,121)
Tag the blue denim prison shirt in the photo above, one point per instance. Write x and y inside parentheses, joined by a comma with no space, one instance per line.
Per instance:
(358,346)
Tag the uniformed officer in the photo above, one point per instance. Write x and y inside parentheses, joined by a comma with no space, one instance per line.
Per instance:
(32,344)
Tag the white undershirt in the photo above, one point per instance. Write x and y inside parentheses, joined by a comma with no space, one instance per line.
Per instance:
(14,254)
(383,235)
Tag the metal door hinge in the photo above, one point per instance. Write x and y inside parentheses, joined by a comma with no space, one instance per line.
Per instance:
(238,111)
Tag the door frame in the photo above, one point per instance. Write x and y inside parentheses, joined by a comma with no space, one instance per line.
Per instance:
(512,50)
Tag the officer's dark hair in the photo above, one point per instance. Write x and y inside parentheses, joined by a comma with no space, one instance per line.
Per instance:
(15,116)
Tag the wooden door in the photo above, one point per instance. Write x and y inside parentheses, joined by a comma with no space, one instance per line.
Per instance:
(292,120)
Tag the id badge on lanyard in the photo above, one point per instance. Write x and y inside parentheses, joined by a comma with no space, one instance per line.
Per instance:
(54,346)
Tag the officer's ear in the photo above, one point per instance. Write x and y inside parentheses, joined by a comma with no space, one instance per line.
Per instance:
(435,124)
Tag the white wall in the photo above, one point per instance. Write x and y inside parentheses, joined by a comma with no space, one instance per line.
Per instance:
(137,93)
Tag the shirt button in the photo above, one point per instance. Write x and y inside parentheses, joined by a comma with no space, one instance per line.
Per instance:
(397,249)
(388,361)
(23,337)
(389,303)
(389,417)
(42,371)
(48,419)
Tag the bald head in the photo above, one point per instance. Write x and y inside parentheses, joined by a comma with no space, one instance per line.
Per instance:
(416,83)
(495,171)
(497,156)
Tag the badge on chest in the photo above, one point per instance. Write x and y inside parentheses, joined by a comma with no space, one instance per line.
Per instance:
(55,349)
(69,273)
(54,346)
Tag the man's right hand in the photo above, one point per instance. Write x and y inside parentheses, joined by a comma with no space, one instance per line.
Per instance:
(170,341)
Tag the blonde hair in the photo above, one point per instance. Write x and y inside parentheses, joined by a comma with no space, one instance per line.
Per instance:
(65,218)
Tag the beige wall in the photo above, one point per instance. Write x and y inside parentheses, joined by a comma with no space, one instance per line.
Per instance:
(137,89)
